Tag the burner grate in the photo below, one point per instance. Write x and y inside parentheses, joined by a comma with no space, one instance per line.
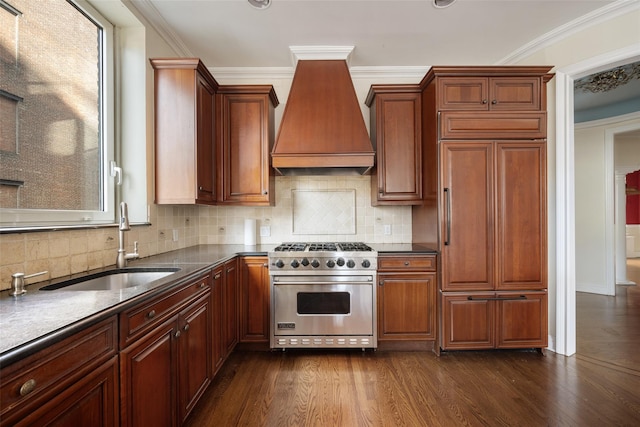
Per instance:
(331,247)
(291,247)
(354,247)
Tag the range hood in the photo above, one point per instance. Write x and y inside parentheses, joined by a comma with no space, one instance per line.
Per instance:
(322,131)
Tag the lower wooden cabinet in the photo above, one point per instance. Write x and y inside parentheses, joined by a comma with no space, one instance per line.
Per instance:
(406,295)
(486,320)
(163,373)
(71,383)
(254,299)
(225,297)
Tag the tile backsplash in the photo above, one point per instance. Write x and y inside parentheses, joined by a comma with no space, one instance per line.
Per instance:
(340,205)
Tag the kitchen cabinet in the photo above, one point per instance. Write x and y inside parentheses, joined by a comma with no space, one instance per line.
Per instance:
(406,298)
(185,162)
(506,93)
(490,203)
(255,300)
(245,133)
(73,382)
(395,112)
(165,365)
(494,320)
(225,295)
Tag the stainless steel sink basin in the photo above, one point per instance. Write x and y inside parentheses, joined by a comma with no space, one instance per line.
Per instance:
(113,280)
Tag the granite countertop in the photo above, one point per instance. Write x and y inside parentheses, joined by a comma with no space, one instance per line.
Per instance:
(401,248)
(38,318)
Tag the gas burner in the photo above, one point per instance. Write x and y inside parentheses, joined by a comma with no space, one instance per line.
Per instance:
(291,247)
(330,247)
(354,247)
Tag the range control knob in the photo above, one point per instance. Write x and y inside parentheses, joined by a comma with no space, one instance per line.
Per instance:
(331,263)
(304,262)
(315,263)
(340,262)
(295,263)
(279,263)
(351,263)
(366,263)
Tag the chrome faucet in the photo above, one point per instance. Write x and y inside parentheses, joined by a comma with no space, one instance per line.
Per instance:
(123,256)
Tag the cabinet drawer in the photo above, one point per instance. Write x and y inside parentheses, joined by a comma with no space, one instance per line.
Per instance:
(49,371)
(492,125)
(141,318)
(407,263)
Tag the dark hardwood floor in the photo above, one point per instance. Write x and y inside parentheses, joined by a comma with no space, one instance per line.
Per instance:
(599,386)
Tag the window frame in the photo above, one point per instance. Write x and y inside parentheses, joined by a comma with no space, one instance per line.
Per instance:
(37,219)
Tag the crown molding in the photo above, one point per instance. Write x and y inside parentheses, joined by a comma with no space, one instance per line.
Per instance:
(259,73)
(595,17)
(320,53)
(160,25)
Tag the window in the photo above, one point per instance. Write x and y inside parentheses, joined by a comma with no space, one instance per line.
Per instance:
(55,114)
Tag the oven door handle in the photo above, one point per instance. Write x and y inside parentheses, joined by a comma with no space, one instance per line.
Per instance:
(321,280)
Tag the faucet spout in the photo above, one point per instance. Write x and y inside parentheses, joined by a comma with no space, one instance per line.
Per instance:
(123,256)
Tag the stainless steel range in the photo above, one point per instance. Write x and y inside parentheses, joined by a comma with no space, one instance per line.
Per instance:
(323,295)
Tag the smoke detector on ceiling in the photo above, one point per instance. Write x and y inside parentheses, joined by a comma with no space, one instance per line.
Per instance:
(440,4)
(260,4)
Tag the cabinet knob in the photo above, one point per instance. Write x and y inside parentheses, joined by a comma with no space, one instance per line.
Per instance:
(381,283)
(217,276)
(201,188)
(265,192)
(484,101)
(186,327)
(151,314)
(177,334)
(495,101)
(28,387)
(201,285)
(406,263)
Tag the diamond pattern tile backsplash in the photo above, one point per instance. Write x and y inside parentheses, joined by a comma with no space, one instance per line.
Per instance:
(324,211)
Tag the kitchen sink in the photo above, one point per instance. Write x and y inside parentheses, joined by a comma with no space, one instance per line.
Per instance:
(113,280)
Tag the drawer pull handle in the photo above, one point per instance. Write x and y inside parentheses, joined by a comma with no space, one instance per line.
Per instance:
(513,298)
(217,276)
(27,387)
(151,314)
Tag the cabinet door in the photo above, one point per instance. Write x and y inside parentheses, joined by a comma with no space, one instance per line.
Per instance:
(467,216)
(245,142)
(463,93)
(522,319)
(468,321)
(514,93)
(255,300)
(92,401)
(230,294)
(217,307)
(398,175)
(406,306)
(148,379)
(521,225)
(205,142)
(194,343)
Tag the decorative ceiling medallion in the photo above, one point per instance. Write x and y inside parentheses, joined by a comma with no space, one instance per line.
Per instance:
(610,79)
(260,4)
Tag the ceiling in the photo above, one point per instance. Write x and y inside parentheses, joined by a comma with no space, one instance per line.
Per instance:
(231,33)
(384,33)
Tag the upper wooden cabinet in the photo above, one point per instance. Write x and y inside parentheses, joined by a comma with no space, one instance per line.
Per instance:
(184,132)
(396,137)
(490,93)
(245,133)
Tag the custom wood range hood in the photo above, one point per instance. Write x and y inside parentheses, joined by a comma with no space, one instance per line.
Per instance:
(322,130)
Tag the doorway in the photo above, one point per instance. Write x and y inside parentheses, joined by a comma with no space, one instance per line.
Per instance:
(565,268)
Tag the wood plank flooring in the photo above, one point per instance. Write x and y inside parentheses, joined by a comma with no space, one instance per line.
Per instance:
(600,386)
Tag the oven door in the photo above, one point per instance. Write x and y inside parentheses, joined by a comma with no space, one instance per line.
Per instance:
(323,305)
